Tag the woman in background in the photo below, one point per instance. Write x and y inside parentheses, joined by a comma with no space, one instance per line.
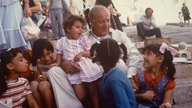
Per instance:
(10,33)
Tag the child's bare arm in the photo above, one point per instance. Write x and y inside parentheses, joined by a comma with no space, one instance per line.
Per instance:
(148,95)
(82,54)
(31,101)
(58,60)
(168,95)
(167,99)
(85,53)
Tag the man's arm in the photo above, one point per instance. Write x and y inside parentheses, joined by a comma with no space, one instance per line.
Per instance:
(139,20)
(70,67)
(153,22)
(135,59)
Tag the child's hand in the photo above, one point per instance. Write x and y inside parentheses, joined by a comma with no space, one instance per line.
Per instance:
(77,57)
(165,105)
(148,95)
(42,78)
(54,64)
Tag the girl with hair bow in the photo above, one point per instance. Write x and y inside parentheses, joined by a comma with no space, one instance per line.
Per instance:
(156,83)
(116,90)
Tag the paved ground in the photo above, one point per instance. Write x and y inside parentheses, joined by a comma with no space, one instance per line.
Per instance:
(176,33)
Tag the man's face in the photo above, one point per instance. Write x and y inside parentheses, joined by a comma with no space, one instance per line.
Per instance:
(149,13)
(101,23)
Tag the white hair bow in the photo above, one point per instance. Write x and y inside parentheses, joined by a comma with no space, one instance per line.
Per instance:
(164,47)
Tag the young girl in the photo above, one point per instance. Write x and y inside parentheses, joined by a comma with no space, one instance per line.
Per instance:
(43,57)
(116,89)
(76,47)
(13,89)
(155,85)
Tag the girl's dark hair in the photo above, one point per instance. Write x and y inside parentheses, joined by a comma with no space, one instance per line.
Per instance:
(167,63)
(38,49)
(5,58)
(108,52)
(70,20)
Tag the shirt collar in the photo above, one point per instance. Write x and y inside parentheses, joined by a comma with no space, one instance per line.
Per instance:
(90,33)
(108,73)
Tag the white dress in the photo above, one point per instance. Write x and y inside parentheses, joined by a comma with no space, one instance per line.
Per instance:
(69,48)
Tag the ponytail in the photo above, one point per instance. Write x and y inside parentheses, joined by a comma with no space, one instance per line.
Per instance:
(3,83)
(123,47)
(168,64)
(93,51)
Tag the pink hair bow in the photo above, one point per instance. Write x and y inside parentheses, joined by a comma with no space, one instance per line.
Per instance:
(164,47)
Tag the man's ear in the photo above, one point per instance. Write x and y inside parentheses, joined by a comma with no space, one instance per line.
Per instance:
(10,66)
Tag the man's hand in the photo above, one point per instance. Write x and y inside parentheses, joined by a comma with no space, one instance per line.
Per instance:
(70,67)
(134,86)
(146,23)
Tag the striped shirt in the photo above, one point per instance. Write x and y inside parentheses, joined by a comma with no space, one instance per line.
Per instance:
(16,93)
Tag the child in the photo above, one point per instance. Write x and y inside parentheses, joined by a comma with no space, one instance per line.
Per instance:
(76,47)
(13,89)
(30,75)
(180,19)
(116,88)
(42,89)
(156,83)
(43,57)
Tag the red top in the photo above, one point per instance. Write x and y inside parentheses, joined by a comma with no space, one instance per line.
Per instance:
(153,82)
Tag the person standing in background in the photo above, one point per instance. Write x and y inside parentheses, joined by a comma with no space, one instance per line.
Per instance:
(56,14)
(185,12)
(11,13)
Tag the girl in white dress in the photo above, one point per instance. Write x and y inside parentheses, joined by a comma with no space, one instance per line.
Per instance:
(76,47)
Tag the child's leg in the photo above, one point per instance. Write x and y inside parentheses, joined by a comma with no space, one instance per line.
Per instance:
(46,93)
(35,92)
(93,93)
(79,91)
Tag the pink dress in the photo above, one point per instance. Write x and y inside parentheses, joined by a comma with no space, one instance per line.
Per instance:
(69,48)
